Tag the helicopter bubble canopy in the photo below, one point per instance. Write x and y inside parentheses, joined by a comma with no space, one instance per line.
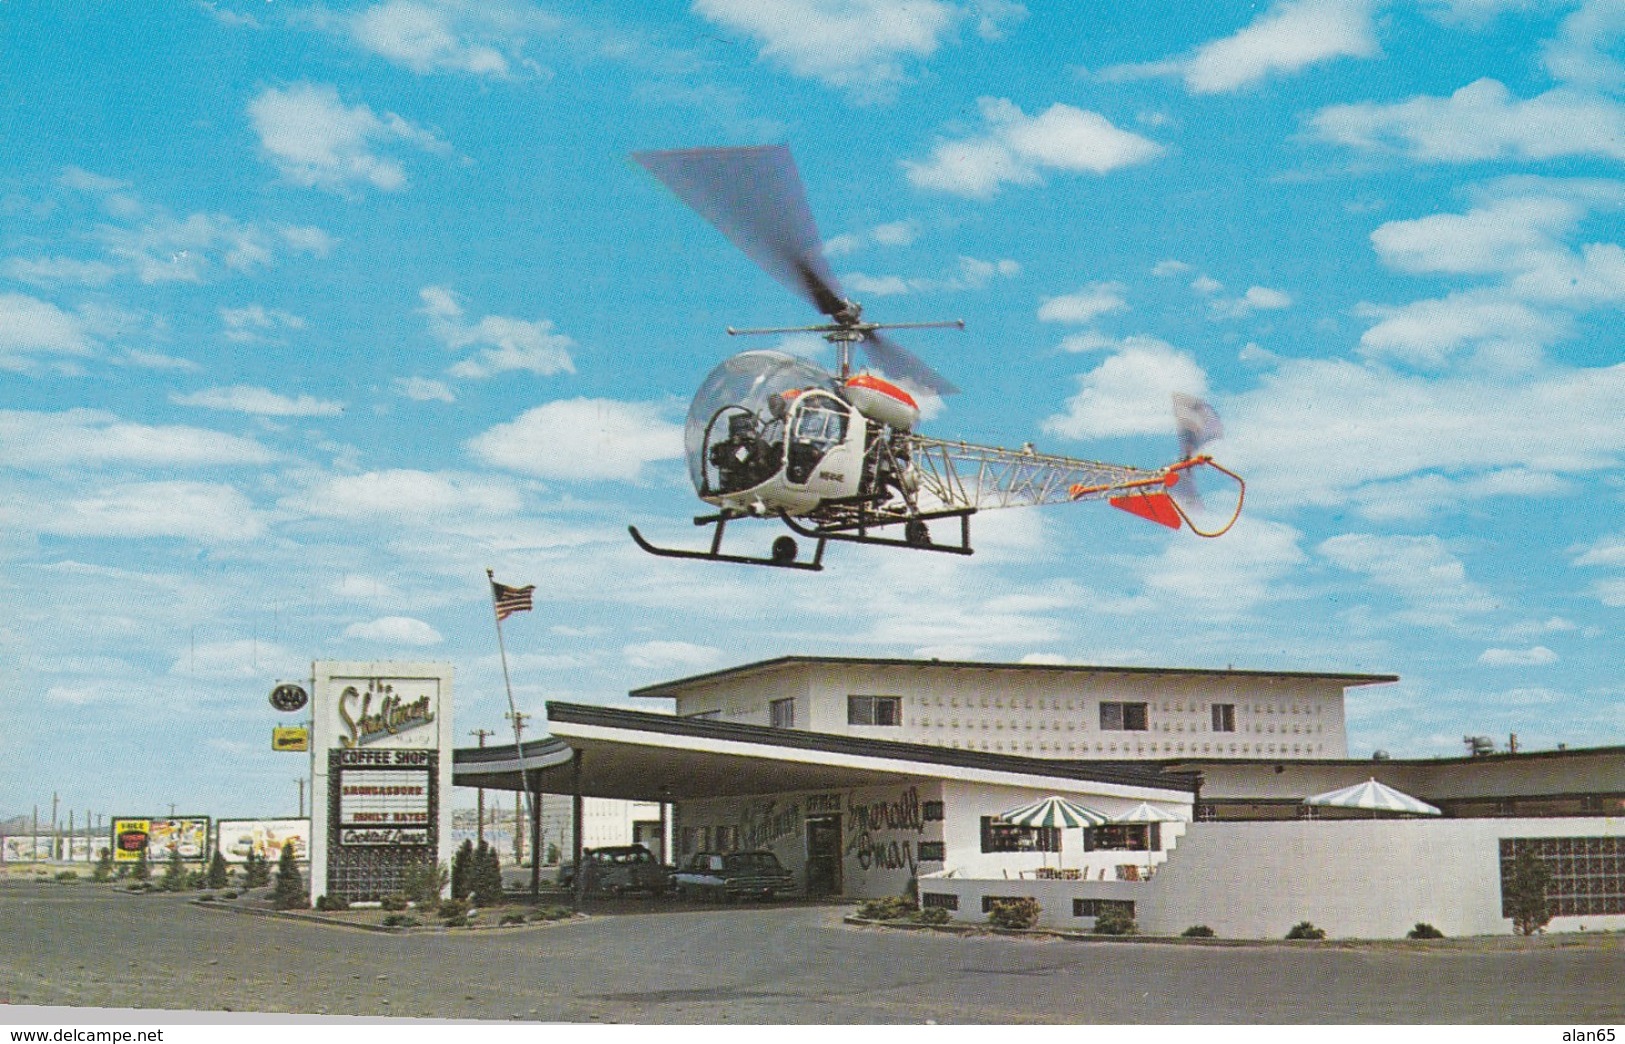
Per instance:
(744,383)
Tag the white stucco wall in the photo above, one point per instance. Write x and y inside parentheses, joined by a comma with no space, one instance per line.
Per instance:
(1353,878)
(1041,713)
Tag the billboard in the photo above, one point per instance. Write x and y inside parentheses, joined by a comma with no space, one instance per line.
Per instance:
(159,837)
(235,838)
(24,848)
(290,737)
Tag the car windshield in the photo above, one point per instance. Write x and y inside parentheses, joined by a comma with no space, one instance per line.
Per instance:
(753,861)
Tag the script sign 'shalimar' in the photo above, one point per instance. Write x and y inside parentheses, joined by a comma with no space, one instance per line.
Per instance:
(381,756)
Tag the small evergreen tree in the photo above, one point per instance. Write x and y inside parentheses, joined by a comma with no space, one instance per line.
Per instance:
(487,877)
(1526,893)
(104,866)
(143,869)
(219,875)
(290,887)
(462,868)
(256,874)
(174,879)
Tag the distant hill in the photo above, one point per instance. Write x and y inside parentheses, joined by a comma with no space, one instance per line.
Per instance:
(18,824)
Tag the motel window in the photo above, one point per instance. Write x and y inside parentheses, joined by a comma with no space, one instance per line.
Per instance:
(931,812)
(939,900)
(710,715)
(1224,717)
(1123,717)
(874,710)
(1587,873)
(933,851)
(1123,837)
(782,714)
(998,836)
(1101,907)
(726,839)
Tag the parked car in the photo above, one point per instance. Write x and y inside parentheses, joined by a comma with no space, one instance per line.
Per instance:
(728,876)
(618,869)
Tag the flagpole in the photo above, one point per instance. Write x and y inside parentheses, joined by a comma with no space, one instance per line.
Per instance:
(513,716)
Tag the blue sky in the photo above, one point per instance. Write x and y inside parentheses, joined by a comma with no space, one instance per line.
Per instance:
(310,314)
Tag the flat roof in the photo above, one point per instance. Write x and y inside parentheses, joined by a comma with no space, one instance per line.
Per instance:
(637,754)
(671,689)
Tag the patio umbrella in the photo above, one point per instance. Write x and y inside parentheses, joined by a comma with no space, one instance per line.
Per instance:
(1055,812)
(1378,797)
(1145,812)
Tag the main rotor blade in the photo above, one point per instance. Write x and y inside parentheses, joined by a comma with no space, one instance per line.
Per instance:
(899,363)
(753,195)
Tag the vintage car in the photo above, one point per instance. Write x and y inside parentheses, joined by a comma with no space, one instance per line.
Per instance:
(728,876)
(618,869)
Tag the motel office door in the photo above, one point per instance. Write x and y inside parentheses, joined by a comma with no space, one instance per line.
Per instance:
(824,855)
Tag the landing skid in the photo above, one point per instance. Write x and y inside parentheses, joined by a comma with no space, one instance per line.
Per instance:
(915,536)
(783,556)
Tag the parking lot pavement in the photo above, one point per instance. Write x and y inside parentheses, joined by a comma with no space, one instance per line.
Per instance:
(655,962)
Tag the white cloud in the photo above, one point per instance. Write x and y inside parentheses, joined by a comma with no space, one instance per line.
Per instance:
(407,496)
(973,274)
(1317,431)
(1504,333)
(507,344)
(48,441)
(316,140)
(252,323)
(394,630)
(891,234)
(857,45)
(1536,656)
(1583,51)
(30,328)
(587,439)
(1420,569)
(444,37)
(1482,121)
(263,402)
(204,512)
(1017,149)
(423,389)
(1223,578)
(1287,38)
(670,656)
(1506,235)
(1608,551)
(238,659)
(1129,393)
(1087,305)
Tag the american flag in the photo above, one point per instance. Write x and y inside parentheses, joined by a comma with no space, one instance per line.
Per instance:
(510,600)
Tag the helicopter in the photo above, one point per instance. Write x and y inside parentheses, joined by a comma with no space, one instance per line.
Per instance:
(834,455)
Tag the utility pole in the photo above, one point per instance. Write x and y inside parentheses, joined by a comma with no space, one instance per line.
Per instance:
(518,718)
(480,830)
(56,836)
(301,782)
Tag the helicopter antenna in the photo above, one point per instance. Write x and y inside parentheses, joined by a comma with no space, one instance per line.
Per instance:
(753,196)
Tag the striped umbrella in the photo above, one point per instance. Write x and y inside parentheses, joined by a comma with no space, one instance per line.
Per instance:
(1378,797)
(1055,811)
(1145,812)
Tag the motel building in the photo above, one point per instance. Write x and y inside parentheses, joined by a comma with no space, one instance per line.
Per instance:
(872,777)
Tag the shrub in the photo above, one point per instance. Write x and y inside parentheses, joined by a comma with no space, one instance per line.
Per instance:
(1423,930)
(290,887)
(1525,893)
(452,908)
(890,908)
(232,894)
(485,876)
(1115,922)
(332,903)
(1306,930)
(1014,913)
(424,881)
(1197,931)
(219,874)
(401,921)
(197,879)
(395,902)
(462,881)
(142,871)
(206,897)
(551,913)
(933,915)
(104,866)
(256,871)
(175,878)
(67,877)
(513,918)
